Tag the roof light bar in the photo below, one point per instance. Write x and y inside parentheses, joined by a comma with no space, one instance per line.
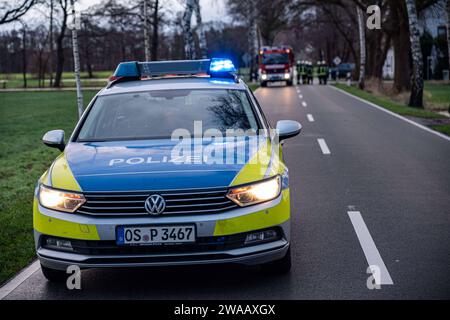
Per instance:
(215,68)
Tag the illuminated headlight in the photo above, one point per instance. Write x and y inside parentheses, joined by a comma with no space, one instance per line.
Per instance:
(257,192)
(287,75)
(264,76)
(59,199)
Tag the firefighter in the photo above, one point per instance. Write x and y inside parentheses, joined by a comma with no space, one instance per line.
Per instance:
(301,72)
(326,72)
(309,73)
(319,69)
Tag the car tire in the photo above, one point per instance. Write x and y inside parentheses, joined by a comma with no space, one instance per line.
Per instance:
(263,84)
(289,83)
(53,275)
(279,267)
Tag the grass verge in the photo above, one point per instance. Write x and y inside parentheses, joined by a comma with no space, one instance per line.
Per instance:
(24,118)
(399,108)
(390,105)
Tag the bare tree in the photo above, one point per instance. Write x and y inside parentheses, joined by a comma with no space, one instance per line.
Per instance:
(146,33)
(155,26)
(416,98)
(201,31)
(64,6)
(12,10)
(24,53)
(51,47)
(189,44)
(448,30)
(76,60)
(362,47)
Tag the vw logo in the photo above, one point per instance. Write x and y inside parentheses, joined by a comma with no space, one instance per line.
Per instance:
(155,204)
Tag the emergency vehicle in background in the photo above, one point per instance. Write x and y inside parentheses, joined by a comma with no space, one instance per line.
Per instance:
(276,64)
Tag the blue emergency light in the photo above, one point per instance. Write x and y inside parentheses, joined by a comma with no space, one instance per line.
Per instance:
(219,65)
(215,68)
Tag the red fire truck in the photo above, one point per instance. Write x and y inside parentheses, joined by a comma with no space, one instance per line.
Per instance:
(276,64)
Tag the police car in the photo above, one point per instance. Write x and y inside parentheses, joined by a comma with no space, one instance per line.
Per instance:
(173,163)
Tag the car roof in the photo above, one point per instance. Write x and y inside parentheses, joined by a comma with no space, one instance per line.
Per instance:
(172,84)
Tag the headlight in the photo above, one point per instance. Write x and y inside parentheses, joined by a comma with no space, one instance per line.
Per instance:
(256,193)
(287,75)
(60,200)
(264,77)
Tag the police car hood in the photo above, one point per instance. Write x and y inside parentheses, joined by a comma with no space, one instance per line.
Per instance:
(158,164)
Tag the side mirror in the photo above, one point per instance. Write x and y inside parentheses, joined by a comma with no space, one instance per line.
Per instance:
(288,129)
(54,139)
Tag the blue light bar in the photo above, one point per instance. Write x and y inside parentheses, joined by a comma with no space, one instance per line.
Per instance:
(127,69)
(177,67)
(220,65)
(215,68)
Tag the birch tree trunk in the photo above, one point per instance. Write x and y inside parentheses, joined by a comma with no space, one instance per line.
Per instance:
(448,31)
(416,98)
(146,33)
(201,31)
(189,45)
(362,48)
(76,60)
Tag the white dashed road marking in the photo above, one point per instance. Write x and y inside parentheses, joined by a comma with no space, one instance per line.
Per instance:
(323,146)
(371,252)
(304,104)
(310,117)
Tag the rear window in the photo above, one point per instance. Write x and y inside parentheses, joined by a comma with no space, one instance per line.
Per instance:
(156,114)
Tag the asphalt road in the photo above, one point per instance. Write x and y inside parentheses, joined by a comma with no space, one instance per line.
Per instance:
(394,174)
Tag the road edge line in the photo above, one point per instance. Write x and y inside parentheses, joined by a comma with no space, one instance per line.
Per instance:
(18,279)
(392,113)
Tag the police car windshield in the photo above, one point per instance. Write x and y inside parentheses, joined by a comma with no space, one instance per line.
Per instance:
(157,114)
(275,58)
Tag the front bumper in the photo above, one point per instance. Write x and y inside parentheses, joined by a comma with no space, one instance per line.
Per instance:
(272,214)
(275,77)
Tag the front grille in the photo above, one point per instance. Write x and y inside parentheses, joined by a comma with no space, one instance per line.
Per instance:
(193,201)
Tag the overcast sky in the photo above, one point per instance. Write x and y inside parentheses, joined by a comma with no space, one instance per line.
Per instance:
(211,9)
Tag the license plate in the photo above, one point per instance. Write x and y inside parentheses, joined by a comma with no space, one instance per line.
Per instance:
(155,235)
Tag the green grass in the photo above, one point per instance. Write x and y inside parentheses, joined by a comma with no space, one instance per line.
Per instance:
(442,128)
(15,80)
(390,105)
(253,86)
(437,95)
(24,118)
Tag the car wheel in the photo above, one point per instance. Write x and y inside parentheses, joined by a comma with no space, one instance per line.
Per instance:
(54,275)
(289,83)
(281,266)
(263,84)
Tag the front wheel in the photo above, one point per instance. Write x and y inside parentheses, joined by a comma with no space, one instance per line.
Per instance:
(264,84)
(289,83)
(53,275)
(281,266)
